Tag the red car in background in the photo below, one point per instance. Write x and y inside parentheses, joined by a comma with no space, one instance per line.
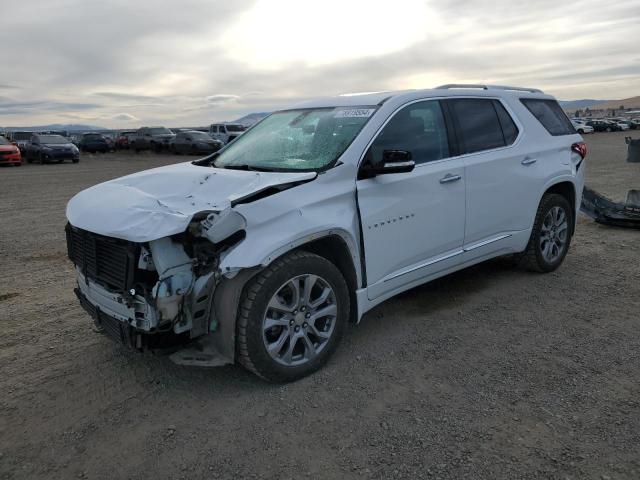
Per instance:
(9,153)
(123,140)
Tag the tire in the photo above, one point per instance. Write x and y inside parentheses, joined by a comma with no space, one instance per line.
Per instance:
(75,160)
(538,258)
(40,159)
(263,290)
(608,129)
(580,131)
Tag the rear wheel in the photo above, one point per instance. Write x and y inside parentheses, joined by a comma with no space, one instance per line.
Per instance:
(292,316)
(551,235)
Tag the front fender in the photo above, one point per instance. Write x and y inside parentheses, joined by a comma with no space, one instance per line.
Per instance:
(294,217)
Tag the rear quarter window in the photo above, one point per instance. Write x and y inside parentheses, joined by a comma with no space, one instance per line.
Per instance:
(550,115)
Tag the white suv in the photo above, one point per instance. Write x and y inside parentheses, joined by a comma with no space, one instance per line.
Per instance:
(262,252)
(226,132)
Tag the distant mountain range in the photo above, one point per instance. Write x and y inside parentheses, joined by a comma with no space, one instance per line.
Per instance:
(251,118)
(69,127)
(568,104)
(631,102)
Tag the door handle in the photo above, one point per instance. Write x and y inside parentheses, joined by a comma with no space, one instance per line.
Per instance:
(448,178)
(529,161)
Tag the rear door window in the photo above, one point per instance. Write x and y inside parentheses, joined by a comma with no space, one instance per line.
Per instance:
(479,125)
(550,115)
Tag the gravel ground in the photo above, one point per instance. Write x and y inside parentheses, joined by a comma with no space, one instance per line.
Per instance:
(487,373)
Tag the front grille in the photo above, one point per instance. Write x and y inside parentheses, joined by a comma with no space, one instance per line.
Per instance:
(108,261)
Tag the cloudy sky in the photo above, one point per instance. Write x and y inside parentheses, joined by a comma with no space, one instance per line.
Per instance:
(123,63)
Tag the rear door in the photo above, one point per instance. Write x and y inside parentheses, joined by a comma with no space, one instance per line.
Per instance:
(502,179)
(412,223)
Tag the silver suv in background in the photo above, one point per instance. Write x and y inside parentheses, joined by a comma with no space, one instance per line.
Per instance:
(152,138)
(226,132)
(262,252)
(21,139)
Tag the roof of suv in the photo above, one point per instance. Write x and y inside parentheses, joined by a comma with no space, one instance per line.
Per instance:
(378,98)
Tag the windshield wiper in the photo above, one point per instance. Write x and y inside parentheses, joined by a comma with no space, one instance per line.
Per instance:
(248,168)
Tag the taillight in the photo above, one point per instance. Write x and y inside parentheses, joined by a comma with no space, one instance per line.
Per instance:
(580,148)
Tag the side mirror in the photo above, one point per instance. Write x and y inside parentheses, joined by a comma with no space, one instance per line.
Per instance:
(393,161)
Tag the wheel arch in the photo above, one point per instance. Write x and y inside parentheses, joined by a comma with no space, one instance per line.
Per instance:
(567,189)
(229,290)
(335,249)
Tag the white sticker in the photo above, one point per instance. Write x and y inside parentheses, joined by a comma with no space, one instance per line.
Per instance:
(355,113)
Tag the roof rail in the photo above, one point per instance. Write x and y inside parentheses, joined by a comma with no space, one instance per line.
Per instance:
(488,87)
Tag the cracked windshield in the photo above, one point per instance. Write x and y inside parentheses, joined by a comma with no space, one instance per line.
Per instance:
(309,139)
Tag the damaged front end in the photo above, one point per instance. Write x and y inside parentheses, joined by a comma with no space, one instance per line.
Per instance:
(154,295)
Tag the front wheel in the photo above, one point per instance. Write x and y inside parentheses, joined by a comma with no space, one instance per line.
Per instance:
(292,316)
(551,235)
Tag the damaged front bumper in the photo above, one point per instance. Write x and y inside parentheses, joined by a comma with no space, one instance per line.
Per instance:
(608,212)
(134,322)
(147,296)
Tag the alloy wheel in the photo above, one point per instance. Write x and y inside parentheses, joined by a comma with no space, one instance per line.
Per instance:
(299,320)
(553,234)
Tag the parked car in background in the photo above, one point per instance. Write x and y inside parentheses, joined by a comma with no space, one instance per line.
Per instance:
(94,142)
(194,142)
(51,148)
(9,153)
(635,124)
(123,140)
(152,138)
(20,138)
(226,132)
(603,126)
(263,253)
(623,124)
(581,127)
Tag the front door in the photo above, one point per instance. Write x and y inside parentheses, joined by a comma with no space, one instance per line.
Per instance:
(412,223)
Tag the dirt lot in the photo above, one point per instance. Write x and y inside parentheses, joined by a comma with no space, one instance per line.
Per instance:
(488,373)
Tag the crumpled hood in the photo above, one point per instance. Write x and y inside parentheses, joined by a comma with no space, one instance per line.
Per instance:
(160,202)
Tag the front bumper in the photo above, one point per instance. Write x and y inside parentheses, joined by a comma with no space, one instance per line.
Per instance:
(113,327)
(54,155)
(135,323)
(10,159)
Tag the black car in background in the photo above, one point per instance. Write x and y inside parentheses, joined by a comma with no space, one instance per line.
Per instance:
(94,142)
(194,142)
(51,148)
(604,126)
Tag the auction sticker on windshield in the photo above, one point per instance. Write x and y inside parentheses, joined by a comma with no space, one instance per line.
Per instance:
(355,113)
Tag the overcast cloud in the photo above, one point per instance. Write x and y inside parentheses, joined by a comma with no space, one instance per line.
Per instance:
(121,63)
